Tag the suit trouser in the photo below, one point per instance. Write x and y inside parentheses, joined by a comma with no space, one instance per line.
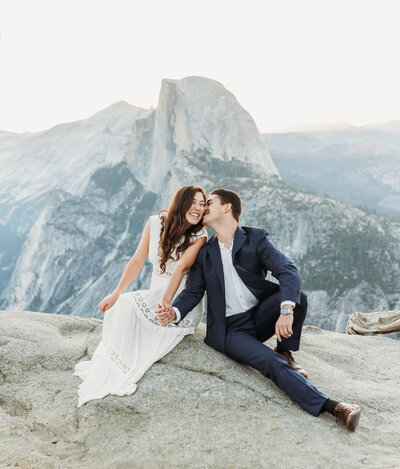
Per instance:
(242,345)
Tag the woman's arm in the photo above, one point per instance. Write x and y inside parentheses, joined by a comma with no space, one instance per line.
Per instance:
(137,260)
(131,270)
(182,265)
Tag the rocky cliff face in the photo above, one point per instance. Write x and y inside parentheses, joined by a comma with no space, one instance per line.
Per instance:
(97,230)
(194,116)
(78,244)
(194,408)
(32,165)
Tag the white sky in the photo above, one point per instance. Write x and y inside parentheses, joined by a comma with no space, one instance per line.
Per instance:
(287,62)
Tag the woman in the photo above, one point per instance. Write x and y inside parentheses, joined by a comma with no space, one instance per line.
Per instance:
(133,336)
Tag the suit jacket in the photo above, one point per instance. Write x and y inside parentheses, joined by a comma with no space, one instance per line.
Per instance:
(253,254)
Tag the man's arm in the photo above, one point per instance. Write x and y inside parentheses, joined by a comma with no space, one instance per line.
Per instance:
(289,278)
(194,290)
(281,268)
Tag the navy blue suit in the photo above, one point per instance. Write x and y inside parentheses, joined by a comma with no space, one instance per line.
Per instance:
(240,336)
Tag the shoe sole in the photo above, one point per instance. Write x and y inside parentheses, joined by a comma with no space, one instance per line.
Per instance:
(354,421)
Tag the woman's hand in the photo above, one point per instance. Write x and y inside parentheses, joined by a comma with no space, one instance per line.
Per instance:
(164,305)
(108,301)
(165,313)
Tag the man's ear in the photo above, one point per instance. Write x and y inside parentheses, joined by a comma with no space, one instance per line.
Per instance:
(227,207)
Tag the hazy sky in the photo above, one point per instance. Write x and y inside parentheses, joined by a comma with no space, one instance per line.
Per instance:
(287,62)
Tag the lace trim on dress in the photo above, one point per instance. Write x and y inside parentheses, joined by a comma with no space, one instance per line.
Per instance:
(143,312)
(116,359)
(131,376)
(157,271)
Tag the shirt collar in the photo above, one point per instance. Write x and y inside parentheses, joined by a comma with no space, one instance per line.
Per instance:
(222,245)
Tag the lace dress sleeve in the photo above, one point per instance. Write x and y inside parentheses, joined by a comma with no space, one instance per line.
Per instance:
(201,234)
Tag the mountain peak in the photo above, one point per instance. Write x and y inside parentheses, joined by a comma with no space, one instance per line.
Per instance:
(195,115)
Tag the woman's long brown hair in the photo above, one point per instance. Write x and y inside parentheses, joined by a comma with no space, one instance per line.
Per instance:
(174,223)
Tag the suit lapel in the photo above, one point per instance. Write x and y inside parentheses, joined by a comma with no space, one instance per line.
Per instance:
(215,252)
(260,287)
(238,240)
(215,255)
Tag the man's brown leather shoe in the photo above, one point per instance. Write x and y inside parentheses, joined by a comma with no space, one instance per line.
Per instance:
(291,361)
(349,414)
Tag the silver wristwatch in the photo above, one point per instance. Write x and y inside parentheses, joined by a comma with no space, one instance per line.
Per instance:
(286,310)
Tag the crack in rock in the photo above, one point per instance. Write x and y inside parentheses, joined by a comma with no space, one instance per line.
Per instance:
(216,375)
(84,353)
(55,394)
(66,329)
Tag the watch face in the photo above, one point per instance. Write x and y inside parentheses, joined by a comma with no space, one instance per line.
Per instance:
(285,310)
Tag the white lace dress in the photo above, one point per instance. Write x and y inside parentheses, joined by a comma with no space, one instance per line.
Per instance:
(132,338)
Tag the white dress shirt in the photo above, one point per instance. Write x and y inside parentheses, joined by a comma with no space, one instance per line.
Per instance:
(238,298)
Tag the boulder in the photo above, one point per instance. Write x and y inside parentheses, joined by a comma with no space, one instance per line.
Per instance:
(194,408)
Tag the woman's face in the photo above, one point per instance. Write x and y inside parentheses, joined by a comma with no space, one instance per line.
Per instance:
(195,212)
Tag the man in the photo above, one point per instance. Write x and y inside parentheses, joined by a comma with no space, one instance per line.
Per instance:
(244,309)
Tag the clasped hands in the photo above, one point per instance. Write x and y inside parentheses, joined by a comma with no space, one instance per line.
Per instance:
(165,312)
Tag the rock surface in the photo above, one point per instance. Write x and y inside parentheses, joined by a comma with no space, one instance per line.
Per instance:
(194,408)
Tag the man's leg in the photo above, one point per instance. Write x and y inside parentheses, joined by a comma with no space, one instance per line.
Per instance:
(242,345)
(267,313)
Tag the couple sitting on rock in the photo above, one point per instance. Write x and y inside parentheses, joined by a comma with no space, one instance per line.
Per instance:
(243,308)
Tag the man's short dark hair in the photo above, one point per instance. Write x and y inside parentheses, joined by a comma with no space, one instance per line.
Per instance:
(229,197)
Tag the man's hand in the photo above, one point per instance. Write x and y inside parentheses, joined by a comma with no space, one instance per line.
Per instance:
(165,313)
(283,326)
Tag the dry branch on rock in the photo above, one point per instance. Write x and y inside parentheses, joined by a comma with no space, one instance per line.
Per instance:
(381,322)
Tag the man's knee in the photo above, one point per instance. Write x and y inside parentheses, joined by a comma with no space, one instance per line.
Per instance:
(303,306)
